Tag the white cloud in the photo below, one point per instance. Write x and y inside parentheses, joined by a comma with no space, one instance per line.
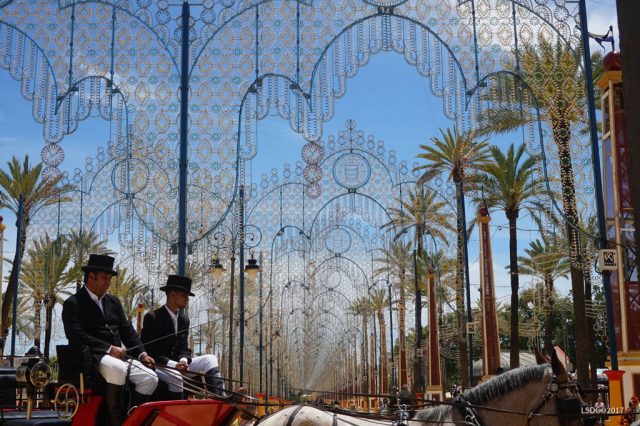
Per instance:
(6,140)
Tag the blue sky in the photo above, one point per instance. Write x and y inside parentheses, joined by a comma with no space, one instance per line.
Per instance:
(387,99)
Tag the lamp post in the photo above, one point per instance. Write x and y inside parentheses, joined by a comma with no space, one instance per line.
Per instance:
(217,270)
(260,340)
(250,237)
(245,236)
(251,271)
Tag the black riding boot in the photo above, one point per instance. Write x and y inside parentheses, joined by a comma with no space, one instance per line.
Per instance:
(113,399)
(215,383)
(139,399)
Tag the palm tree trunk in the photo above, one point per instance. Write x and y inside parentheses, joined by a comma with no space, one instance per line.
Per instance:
(37,321)
(548,319)
(372,365)
(7,297)
(417,370)
(514,352)
(365,351)
(384,375)
(463,366)
(562,137)
(47,325)
(402,335)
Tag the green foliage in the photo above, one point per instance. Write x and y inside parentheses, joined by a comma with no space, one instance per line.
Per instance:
(510,181)
(44,281)
(424,211)
(36,190)
(546,260)
(128,289)
(80,244)
(454,155)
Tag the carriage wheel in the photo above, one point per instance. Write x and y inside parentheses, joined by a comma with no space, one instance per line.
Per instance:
(66,402)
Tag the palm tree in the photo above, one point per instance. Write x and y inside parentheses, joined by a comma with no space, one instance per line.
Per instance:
(554,76)
(379,302)
(396,260)
(128,289)
(43,278)
(510,183)
(36,191)
(456,155)
(546,261)
(31,289)
(445,269)
(361,307)
(81,244)
(425,213)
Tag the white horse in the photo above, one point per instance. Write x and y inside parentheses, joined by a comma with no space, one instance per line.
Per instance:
(533,395)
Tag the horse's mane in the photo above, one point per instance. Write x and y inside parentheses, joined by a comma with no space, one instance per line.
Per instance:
(505,383)
(491,389)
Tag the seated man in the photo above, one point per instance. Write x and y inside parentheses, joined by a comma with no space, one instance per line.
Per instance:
(93,318)
(165,333)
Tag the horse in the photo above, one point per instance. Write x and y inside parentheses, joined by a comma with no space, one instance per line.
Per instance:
(541,394)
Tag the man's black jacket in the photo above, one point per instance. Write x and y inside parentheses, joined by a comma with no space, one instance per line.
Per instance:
(160,339)
(85,324)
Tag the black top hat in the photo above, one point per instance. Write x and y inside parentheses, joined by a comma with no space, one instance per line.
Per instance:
(178,282)
(100,263)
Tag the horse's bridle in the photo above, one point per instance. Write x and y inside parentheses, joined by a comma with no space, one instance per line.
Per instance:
(569,408)
(467,410)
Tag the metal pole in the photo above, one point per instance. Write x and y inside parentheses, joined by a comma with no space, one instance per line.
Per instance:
(241,295)
(81,249)
(597,175)
(269,375)
(260,321)
(14,319)
(393,375)
(184,121)
(231,300)
(467,280)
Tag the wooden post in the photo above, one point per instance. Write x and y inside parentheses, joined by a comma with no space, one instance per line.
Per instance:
(491,343)
(434,389)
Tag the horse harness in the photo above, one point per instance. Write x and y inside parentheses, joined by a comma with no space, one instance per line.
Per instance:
(468,411)
(297,410)
(566,408)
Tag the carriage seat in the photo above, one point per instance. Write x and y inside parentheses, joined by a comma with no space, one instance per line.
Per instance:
(74,363)
(8,386)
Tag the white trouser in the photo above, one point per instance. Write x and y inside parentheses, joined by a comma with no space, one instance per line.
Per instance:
(114,371)
(199,364)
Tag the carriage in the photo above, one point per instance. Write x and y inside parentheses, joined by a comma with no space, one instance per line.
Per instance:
(76,398)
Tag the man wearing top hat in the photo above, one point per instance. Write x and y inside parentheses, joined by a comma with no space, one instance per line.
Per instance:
(95,319)
(165,332)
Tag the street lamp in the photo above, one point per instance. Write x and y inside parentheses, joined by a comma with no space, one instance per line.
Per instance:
(252,269)
(216,269)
